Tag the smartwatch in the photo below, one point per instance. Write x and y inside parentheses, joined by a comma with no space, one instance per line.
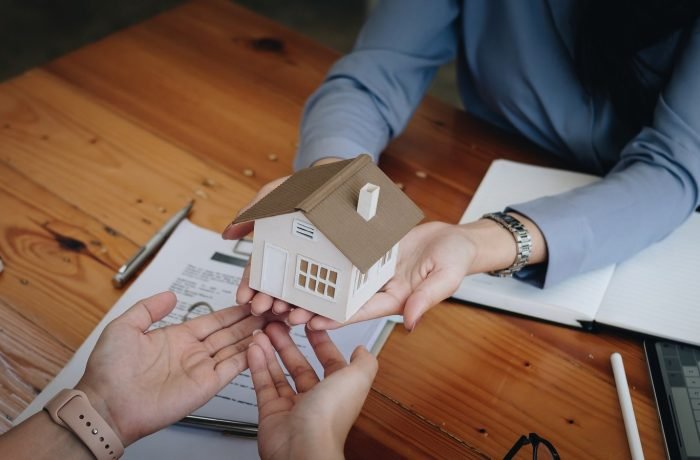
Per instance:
(72,410)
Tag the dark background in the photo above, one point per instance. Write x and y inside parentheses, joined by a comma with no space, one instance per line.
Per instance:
(33,32)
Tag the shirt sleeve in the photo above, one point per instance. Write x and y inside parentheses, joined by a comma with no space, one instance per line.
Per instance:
(653,188)
(370,94)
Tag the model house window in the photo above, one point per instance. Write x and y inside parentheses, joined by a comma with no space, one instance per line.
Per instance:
(385,258)
(316,278)
(360,281)
(304,230)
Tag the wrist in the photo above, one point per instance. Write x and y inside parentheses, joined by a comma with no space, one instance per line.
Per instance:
(101,406)
(55,441)
(320,444)
(539,246)
(496,249)
(72,410)
(493,247)
(325,161)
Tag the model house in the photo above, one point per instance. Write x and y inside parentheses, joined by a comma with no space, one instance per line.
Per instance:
(327,239)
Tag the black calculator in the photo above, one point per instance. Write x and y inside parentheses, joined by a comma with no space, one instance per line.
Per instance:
(675,376)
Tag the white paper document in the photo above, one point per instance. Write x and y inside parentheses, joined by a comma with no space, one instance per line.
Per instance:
(204,272)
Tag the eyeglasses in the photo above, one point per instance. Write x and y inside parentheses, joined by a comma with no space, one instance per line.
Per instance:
(535,440)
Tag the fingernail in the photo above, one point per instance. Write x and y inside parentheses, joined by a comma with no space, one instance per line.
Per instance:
(286,321)
(253,313)
(415,325)
(226,229)
(256,332)
(308,326)
(274,312)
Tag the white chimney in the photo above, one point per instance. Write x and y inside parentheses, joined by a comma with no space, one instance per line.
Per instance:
(367,202)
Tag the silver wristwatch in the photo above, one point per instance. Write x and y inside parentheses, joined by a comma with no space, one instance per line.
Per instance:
(522,238)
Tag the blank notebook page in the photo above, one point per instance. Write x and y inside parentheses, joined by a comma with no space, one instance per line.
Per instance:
(658,291)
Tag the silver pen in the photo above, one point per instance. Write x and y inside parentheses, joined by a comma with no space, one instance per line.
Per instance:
(137,260)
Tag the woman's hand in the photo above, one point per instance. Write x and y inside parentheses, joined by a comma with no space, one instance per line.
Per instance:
(314,421)
(259,301)
(433,259)
(142,381)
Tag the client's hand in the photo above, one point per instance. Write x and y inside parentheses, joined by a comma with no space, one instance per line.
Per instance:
(142,381)
(314,422)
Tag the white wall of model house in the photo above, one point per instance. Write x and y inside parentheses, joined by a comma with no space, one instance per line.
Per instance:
(294,261)
(374,279)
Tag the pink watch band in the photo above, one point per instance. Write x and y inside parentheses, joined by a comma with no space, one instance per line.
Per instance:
(71,409)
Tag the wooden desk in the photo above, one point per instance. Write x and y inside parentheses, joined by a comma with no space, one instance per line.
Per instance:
(99,147)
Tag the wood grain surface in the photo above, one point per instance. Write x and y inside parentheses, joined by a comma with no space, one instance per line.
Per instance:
(99,147)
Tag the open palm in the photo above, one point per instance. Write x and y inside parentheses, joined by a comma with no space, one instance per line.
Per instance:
(314,420)
(148,380)
(433,259)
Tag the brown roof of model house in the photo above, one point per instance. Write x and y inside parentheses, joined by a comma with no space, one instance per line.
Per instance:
(328,196)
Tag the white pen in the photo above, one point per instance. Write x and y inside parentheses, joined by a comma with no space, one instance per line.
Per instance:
(623,393)
(137,260)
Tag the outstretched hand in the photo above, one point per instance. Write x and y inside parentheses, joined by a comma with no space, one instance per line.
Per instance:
(313,421)
(143,381)
(433,258)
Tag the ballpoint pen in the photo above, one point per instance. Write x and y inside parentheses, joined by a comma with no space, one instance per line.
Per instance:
(244,429)
(623,393)
(137,260)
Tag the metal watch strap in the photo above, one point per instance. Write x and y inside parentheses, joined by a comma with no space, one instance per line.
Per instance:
(72,410)
(522,237)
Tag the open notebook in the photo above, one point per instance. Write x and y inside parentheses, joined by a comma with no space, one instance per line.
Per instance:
(656,292)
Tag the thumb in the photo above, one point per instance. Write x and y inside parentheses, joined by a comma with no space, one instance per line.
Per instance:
(148,311)
(439,285)
(366,364)
(346,390)
(352,383)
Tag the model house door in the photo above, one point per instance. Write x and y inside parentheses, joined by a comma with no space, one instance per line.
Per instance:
(274,269)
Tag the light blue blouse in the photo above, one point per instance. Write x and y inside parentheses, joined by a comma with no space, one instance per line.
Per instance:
(515,70)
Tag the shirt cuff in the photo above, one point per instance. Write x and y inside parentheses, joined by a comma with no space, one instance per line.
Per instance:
(338,147)
(568,238)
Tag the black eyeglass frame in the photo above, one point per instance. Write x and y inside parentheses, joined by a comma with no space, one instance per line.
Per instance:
(535,440)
